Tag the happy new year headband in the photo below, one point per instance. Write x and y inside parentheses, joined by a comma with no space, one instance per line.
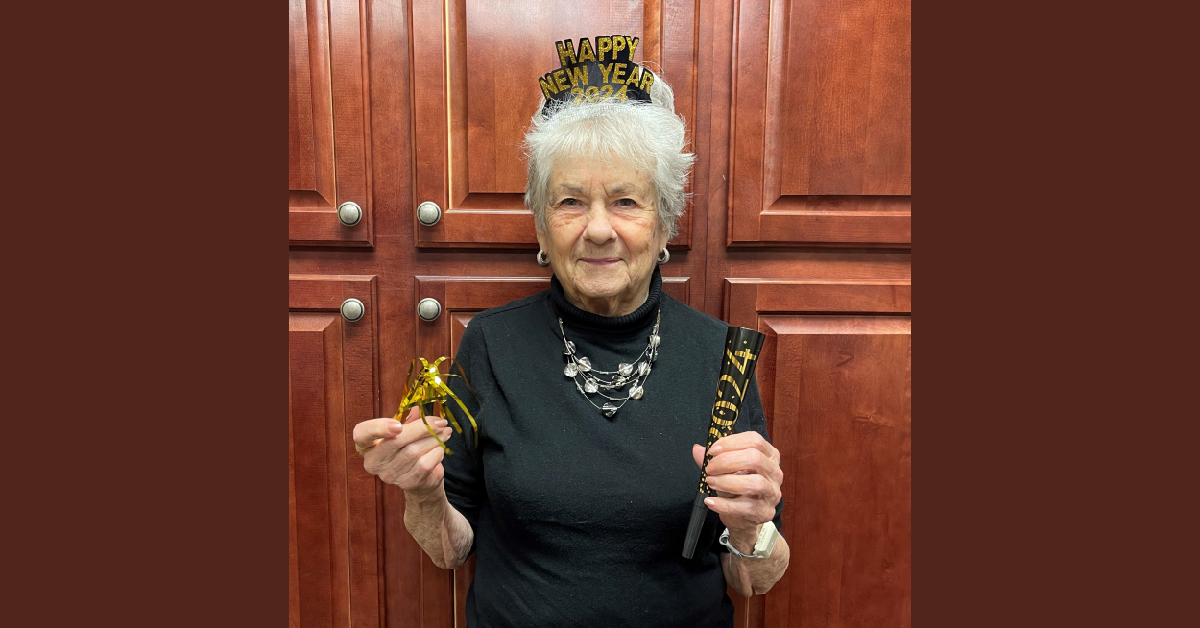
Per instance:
(605,70)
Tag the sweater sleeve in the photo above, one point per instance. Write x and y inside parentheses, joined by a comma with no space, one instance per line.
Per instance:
(752,417)
(464,482)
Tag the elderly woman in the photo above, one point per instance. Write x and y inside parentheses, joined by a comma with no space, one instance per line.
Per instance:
(590,398)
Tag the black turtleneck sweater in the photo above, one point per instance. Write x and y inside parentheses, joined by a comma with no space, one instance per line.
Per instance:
(579,519)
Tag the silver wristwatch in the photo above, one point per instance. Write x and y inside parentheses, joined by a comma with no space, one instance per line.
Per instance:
(762,547)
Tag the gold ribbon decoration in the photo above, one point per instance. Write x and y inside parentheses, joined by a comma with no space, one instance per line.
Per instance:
(429,387)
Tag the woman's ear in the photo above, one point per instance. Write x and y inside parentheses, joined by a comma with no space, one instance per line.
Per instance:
(663,236)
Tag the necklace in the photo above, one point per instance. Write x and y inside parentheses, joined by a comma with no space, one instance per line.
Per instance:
(596,382)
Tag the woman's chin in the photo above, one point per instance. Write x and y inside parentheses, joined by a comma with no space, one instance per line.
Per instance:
(602,290)
(602,285)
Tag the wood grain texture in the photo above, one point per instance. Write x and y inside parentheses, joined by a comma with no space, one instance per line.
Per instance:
(329,134)
(476,65)
(801,387)
(310,123)
(315,377)
(746,299)
(820,130)
(333,491)
(842,420)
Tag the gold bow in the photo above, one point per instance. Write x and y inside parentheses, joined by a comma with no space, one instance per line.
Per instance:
(428,387)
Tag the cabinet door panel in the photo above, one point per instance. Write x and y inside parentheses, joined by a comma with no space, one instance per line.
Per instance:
(842,415)
(820,146)
(835,379)
(476,66)
(328,130)
(332,516)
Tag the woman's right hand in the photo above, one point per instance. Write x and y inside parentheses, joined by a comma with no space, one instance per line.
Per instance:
(404,454)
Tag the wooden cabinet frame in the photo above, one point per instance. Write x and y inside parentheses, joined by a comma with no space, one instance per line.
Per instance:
(335,564)
(337,106)
(441,91)
(868,203)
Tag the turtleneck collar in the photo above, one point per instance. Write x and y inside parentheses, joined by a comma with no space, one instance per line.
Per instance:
(577,317)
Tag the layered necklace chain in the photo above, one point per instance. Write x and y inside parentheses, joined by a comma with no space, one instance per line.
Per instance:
(592,381)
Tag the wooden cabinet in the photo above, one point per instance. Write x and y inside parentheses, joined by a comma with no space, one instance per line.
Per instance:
(476,64)
(835,378)
(329,134)
(841,413)
(820,124)
(333,558)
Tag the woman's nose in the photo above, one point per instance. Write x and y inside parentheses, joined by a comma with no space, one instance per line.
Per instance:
(599,228)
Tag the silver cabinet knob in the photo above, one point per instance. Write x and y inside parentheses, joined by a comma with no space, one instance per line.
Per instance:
(429,309)
(349,213)
(428,213)
(353,310)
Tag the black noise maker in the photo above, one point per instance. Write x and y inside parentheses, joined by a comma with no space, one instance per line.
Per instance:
(737,371)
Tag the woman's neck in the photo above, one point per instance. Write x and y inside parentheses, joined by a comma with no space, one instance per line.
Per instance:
(610,306)
(612,315)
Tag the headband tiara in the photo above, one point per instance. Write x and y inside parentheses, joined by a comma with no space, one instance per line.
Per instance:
(606,70)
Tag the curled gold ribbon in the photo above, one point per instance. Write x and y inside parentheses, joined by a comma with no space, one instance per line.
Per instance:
(429,387)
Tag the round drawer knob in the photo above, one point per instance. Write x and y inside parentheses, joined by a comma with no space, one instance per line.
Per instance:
(349,213)
(353,310)
(428,213)
(429,309)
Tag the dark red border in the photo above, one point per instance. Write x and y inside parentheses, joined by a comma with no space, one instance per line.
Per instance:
(146,441)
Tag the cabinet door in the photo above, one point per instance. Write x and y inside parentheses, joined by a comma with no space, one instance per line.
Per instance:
(820,142)
(836,384)
(333,560)
(328,130)
(476,65)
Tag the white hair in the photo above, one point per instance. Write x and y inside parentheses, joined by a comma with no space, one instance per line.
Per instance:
(646,136)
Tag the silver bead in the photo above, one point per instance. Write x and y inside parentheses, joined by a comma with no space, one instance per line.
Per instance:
(590,385)
(643,369)
(585,364)
(654,340)
(570,371)
(609,409)
(570,348)
(635,392)
(619,382)
(624,369)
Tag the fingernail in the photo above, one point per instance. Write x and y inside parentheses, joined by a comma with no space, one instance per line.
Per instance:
(396,427)
(440,422)
(709,502)
(714,450)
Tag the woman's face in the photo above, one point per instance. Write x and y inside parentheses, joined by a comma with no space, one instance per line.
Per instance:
(602,234)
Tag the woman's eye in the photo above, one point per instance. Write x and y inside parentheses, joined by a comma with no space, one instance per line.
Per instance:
(568,201)
(627,202)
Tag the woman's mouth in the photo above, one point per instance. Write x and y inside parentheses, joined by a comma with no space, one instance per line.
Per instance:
(600,261)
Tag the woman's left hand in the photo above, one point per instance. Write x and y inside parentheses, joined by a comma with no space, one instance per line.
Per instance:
(745,474)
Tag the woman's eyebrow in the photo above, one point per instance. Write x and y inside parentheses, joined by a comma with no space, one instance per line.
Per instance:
(570,189)
(624,188)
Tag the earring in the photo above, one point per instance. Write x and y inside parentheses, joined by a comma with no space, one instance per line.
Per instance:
(664,256)
(542,258)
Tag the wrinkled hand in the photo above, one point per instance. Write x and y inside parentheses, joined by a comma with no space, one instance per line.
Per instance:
(746,476)
(404,454)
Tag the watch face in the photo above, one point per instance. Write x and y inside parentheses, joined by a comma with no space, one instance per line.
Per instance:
(767,537)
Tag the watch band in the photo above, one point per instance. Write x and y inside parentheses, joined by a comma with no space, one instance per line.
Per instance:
(763,546)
